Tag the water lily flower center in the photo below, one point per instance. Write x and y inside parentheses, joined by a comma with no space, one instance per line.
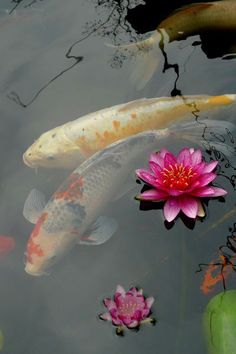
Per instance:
(177,176)
(129,306)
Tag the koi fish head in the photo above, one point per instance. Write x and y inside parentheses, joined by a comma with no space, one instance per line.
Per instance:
(44,249)
(53,149)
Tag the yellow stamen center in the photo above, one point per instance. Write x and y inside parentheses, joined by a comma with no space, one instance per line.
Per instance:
(177,176)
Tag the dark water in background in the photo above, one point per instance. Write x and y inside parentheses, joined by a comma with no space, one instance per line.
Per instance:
(48,76)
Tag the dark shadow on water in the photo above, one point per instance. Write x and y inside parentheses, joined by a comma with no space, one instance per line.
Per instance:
(214,45)
(24,3)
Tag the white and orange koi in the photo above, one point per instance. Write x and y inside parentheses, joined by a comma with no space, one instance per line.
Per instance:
(73,214)
(70,144)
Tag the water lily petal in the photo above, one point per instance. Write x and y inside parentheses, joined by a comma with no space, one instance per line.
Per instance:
(110,304)
(210,166)
(125,319)
(137,315)
(189,206)
(175,192)
(196,157)
(145,313)
(133,324)
(132,291)
(153,195)
(120,290)
(218,192)
(140,291)
(201,211)
(156,169)
(117,322)
(206,178)
(171,209)
(146,176)
(199,168)
(149,302)
(163,152)
(105,316)
(157,158)
(169,160)
(194,185)
(184,157)
(203,192)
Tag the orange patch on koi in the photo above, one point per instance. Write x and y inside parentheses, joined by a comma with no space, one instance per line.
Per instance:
(106,134)
(116,124)
(32,247)
(102,139)
(198,7)
(72,190)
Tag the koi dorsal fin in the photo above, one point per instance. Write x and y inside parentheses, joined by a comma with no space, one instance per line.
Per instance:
(137,104)
(100,232)
(34,205)
(197,6)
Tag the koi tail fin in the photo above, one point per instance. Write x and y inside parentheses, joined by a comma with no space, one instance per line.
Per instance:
(147,55)
(214,135)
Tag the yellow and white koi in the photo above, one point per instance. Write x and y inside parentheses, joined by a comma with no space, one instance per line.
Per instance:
(70,144)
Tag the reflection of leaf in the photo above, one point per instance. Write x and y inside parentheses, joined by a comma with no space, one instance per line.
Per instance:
(220,323)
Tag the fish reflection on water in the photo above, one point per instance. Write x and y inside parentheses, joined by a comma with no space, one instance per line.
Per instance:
(73,214)
(70,144)
(196,18)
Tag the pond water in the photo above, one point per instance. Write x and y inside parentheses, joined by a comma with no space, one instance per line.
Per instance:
(55,68)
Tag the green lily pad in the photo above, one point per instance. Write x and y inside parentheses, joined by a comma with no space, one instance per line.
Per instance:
(220,323)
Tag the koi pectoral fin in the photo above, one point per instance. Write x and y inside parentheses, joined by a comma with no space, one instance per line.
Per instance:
(34,205)
(100,232)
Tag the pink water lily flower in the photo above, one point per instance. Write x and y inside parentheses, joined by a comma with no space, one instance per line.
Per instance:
(179,181)
(128,309)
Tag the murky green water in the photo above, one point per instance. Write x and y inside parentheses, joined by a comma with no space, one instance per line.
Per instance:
(54,68)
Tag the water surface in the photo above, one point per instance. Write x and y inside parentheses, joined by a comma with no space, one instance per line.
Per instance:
(54,68)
